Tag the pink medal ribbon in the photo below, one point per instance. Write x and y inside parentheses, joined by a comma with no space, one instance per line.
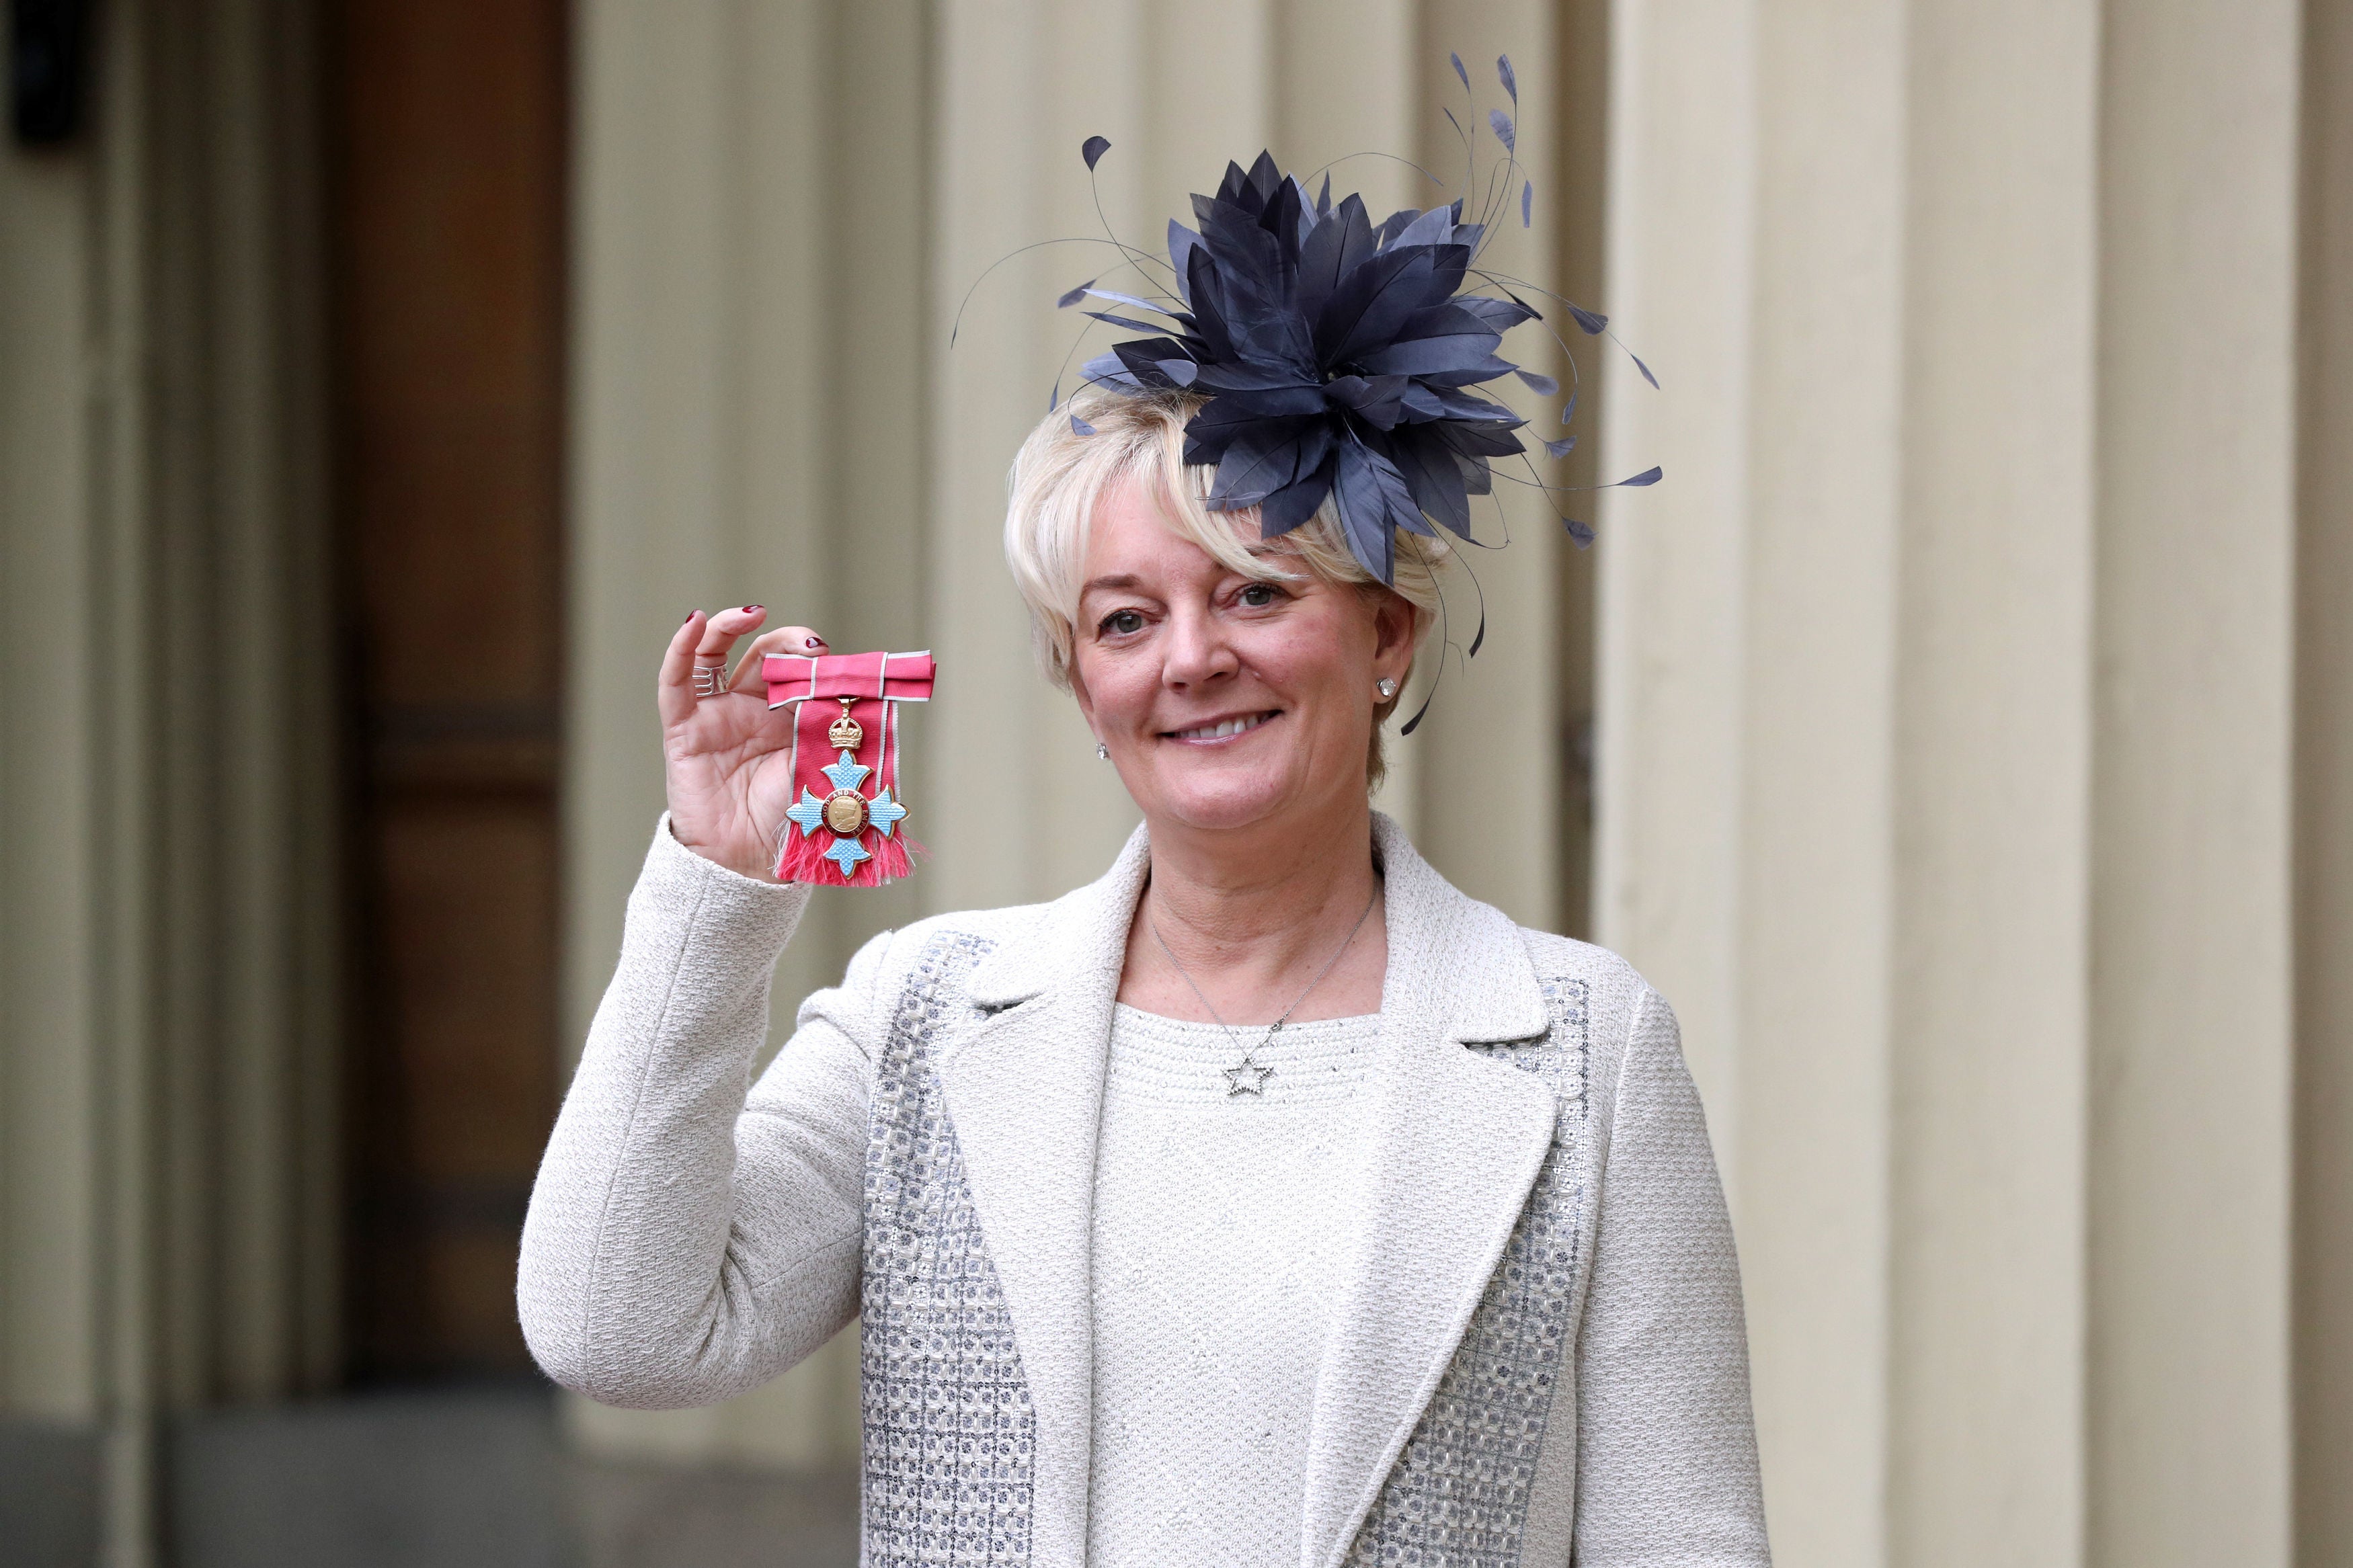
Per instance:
(844,826)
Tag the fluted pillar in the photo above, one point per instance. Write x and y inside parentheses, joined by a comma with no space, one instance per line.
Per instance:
(1944,748)
(747,425)
(169,1074)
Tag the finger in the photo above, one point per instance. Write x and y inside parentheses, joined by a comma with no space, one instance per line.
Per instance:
(718,635)
(674,686)
(723,627)
(784,639)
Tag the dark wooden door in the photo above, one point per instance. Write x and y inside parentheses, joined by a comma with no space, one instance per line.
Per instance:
(446,178)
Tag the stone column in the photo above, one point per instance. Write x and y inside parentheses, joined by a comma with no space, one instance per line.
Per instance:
(748,423)
(2323,862)
(1945,760)
(169,1097)
(2191,1034)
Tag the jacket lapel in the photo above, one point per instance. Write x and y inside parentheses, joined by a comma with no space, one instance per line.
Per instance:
(1456,1140)
(1024,1092)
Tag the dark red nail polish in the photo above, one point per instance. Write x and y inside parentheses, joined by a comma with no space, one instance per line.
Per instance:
(749,608)
(690,615)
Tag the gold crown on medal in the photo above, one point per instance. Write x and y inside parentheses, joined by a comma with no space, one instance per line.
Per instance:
(847,733)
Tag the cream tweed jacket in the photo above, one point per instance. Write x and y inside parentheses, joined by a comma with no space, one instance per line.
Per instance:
(1537,1354)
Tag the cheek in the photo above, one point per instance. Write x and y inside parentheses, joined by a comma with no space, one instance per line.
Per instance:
(1117,688)
(1312,658)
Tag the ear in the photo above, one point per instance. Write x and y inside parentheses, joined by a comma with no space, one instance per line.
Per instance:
(1395,622)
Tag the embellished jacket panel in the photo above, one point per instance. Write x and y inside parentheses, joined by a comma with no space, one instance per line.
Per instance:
(950,1436)
(1460,1492)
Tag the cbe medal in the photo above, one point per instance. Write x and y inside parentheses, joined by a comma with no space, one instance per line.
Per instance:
(842,828)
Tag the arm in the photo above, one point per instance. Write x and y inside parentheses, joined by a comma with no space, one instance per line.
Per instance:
(1666,1449)
(682,1247)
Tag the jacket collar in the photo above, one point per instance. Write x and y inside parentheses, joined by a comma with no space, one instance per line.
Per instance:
(1465,965)
(1455,1141)
(1073,938)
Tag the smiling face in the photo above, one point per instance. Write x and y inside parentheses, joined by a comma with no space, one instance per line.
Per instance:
(1228,703)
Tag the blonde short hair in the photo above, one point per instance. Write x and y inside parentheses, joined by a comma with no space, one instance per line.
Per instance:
(1061,476)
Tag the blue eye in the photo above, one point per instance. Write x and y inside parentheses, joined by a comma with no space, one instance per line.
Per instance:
(1257,595)
(1120,622)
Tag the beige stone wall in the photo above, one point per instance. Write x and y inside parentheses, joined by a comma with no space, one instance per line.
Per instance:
(1975,707)
(1948,746)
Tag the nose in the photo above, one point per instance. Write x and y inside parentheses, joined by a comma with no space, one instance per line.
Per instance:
(1198,651)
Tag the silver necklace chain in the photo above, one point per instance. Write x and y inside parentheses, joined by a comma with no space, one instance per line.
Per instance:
(1247,1076)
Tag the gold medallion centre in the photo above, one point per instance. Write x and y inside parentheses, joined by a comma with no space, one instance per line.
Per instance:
(845,812)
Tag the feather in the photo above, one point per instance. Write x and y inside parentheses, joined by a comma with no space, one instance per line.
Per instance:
(1333,357)
(1373,497)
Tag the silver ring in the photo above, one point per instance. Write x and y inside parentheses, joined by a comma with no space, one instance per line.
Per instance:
(709,679)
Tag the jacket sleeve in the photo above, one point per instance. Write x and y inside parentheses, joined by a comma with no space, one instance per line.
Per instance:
(1666,1447)
(683,1247)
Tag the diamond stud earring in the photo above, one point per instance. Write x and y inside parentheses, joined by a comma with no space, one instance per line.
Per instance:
(1103,751)
(1386,687)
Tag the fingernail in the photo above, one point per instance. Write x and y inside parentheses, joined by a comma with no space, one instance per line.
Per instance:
(749,608)
(690,615)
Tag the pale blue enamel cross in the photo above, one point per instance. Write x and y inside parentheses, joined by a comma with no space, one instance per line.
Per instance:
(846,853)
(883,812)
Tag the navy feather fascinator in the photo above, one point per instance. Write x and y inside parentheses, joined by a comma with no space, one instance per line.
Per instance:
(1337,356)
(1328,356)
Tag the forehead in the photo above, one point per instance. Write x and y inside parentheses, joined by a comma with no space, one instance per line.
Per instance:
(1135,532)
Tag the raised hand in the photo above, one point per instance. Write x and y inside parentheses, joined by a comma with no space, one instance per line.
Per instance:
(726,757)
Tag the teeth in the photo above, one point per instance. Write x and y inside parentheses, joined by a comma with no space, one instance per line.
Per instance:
(1220,731)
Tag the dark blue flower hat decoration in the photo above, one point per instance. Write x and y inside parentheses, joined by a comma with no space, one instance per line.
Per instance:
(1337,357)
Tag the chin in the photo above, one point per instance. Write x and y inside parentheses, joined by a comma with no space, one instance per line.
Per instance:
(1234,801)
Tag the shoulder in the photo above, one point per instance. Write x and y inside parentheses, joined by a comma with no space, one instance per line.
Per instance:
(1616,1001)
(1559,958)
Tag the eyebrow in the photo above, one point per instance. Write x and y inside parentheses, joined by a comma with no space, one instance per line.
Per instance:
(1260,551)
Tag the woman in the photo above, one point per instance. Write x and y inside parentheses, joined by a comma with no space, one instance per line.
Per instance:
(1268,1201)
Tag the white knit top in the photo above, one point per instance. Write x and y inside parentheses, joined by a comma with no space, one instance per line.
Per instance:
(1222,1221)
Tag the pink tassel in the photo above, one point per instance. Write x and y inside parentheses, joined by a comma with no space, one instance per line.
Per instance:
(804,859)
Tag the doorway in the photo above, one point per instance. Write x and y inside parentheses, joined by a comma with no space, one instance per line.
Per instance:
(449,158)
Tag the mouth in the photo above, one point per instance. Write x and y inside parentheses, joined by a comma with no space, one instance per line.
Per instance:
(1218,730)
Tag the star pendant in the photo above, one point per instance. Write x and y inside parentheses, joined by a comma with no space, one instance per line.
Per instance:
(1247,1077)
